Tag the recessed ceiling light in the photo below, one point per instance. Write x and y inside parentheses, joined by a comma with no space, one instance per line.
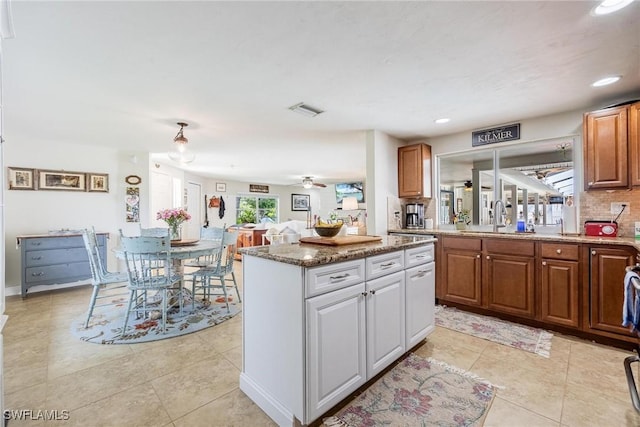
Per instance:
(305,109)
(442,120)
(610,6)
(606,81)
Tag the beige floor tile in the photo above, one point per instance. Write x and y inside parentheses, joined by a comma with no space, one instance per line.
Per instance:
(450,353)
(25,373)
(556,365)
(19,350)
(535,390)
(234,409)
(92,384)
(593,407)
(195,385)
(506,414)
(33,397)
(224,336)
(234,356)
(72,355)
(137,406)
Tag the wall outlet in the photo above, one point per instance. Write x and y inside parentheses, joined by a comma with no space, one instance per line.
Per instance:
(616,207)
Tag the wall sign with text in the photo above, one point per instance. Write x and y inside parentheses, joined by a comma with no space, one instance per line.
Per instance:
(494,135)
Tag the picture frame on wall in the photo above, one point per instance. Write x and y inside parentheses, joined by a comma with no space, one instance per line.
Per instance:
(21,178)
(221,187)
(62,180)
(98,182)
(300,202)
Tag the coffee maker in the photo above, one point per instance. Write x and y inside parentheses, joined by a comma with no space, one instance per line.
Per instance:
(414,215)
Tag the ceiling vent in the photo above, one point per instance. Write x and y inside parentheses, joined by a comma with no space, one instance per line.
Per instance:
(306,110)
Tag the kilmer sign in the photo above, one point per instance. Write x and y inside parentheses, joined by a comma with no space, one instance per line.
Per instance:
(491,136)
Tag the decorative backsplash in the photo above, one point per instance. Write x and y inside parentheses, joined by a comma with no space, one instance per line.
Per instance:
(596,205)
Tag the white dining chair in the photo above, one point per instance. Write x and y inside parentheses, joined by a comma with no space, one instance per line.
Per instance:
(149,268)
(205,277)
(104,282)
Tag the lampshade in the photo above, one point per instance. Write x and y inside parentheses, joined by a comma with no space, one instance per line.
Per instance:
(180,152)
(349,204)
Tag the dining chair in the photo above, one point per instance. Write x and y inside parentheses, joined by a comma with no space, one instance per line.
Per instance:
(207,233)
(203,277)
(100,276)
(154,231)
(149,268)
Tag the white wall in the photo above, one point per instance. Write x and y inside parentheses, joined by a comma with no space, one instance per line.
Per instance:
(382,178)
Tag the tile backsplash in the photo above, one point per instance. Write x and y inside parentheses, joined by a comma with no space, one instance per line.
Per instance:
(596,205)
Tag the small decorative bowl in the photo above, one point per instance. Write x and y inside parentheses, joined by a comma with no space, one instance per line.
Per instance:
(329,230)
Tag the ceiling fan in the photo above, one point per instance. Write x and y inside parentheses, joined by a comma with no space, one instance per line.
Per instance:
(307,182)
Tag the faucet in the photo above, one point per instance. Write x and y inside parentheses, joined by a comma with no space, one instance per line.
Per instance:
(498,215)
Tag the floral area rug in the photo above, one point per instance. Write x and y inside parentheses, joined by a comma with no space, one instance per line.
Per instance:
(105,326)
(525,338)
(419,392)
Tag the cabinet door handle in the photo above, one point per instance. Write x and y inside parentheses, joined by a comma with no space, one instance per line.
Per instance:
(36,258)
(544,262)
(478,256)
(558,251)
(593,252)
(364,294)
(387,265)
(340,278)
(420,256)
(373,291)
(38,274)
(488,257)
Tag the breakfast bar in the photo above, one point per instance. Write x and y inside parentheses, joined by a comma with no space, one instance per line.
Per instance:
(319,321)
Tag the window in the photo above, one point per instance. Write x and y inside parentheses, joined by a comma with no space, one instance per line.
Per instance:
(255,209)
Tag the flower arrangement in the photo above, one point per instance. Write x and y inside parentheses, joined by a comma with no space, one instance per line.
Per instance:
(174,218)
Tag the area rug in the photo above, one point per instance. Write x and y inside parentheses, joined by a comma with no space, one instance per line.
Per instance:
(523,337)
(105,326)
(419,392)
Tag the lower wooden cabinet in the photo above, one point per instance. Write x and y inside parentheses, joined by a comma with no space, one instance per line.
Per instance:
(559,292)
(606,291)
(461,265)
(510,284)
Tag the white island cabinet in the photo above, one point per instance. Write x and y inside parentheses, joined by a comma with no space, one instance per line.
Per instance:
(319,322)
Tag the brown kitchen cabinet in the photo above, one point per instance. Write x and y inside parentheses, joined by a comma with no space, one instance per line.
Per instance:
(414,171)
(248,237)
(509,276)
(460,267)
(611,147)
(606,291)
(559,284)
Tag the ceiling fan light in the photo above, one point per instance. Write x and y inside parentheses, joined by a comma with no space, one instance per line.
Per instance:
(606,81)
(609,6)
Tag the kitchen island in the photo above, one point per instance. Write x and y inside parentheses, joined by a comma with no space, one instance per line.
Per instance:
(320,321)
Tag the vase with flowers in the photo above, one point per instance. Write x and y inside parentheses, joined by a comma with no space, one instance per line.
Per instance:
(174,218)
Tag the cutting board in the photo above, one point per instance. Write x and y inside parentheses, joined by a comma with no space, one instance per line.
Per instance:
(340,240)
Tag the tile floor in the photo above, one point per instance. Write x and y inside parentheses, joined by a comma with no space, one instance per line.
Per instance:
(193,380)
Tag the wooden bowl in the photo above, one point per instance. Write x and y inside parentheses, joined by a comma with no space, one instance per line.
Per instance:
(328,230)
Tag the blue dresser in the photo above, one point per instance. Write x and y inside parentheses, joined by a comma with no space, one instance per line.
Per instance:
(49,259)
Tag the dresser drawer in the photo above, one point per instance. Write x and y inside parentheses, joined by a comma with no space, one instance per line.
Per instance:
(53,243)
(63,272)
(55,256)
(419,255)
(383,264)
(319,280)
(560,251)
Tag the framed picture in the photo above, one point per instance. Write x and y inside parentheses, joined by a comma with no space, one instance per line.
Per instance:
(300,202)
(221,186)
(21,179)
(62,180)
(98,182)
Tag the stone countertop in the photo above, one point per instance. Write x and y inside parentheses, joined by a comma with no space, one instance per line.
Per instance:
(311,255)
(569,238)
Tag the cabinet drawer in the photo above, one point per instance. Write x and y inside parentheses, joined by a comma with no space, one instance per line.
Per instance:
(462,243)
(417,256)
(62,272)
(319,280)
(560,251)
(55,256)
(53,243)
(510,247)
(383,264)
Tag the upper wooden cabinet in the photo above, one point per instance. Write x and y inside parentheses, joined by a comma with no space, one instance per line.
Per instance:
(414,171)
(611,147)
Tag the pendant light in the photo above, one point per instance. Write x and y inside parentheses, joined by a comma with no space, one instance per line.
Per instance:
(180,152)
